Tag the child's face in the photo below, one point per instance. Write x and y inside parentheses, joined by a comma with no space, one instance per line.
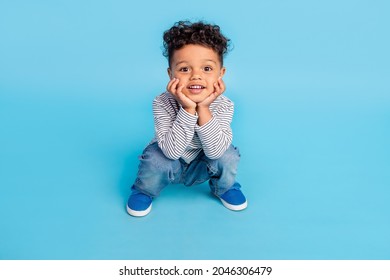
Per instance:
(197,68)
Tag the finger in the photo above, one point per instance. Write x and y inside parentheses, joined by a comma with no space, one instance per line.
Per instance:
(180,88)
(221,84)
(179,93)
(217,89)
(181,97)
(172,85)
(169,85)
(209,99)
(184,100)
(212,97)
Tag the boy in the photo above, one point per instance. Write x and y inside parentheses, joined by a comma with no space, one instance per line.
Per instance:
(193,137)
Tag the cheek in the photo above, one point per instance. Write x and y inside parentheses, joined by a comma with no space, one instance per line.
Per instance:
(212,80)
(182,77)
(182,82)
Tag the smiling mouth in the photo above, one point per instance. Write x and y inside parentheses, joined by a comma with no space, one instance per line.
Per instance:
(196,87)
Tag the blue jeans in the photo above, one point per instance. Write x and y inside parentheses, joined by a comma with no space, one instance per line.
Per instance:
(156,171)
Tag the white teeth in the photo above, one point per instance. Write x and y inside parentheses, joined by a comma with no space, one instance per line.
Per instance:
(195,87)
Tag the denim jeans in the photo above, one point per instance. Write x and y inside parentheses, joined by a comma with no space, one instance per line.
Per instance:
(156,171)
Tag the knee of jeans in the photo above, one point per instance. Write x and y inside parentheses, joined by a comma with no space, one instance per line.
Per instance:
(229,160)
(154,160)
(231,155)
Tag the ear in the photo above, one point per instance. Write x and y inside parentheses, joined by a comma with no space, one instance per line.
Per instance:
(222,72)
(169,73)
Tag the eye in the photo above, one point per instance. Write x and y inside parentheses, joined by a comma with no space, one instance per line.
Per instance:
(184,69)
(207,69)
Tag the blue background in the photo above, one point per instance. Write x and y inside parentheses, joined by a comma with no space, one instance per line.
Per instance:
(310,80)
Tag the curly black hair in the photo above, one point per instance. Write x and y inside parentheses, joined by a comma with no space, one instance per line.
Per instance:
(199,33)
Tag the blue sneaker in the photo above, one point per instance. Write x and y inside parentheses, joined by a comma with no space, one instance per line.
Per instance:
(139,204)
(234,200)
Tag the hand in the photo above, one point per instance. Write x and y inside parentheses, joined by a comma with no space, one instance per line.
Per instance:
(219,88)
(176,90)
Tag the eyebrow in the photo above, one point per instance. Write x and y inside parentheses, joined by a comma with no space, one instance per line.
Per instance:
(180,62)
(205,60)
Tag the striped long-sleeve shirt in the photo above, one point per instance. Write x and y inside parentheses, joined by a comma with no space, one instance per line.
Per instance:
(179,136)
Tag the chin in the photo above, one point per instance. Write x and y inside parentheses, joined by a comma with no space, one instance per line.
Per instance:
(197,97)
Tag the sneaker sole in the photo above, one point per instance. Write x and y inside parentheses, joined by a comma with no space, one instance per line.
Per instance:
(234,207)
(138,213)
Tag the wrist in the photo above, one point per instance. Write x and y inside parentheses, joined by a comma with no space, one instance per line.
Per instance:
(204,115)
(202,108)
(190,110)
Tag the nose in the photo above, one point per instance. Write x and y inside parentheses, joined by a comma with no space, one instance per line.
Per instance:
(196,75)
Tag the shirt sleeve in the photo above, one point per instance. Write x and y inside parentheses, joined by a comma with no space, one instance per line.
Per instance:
(216,135)
(173,132)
